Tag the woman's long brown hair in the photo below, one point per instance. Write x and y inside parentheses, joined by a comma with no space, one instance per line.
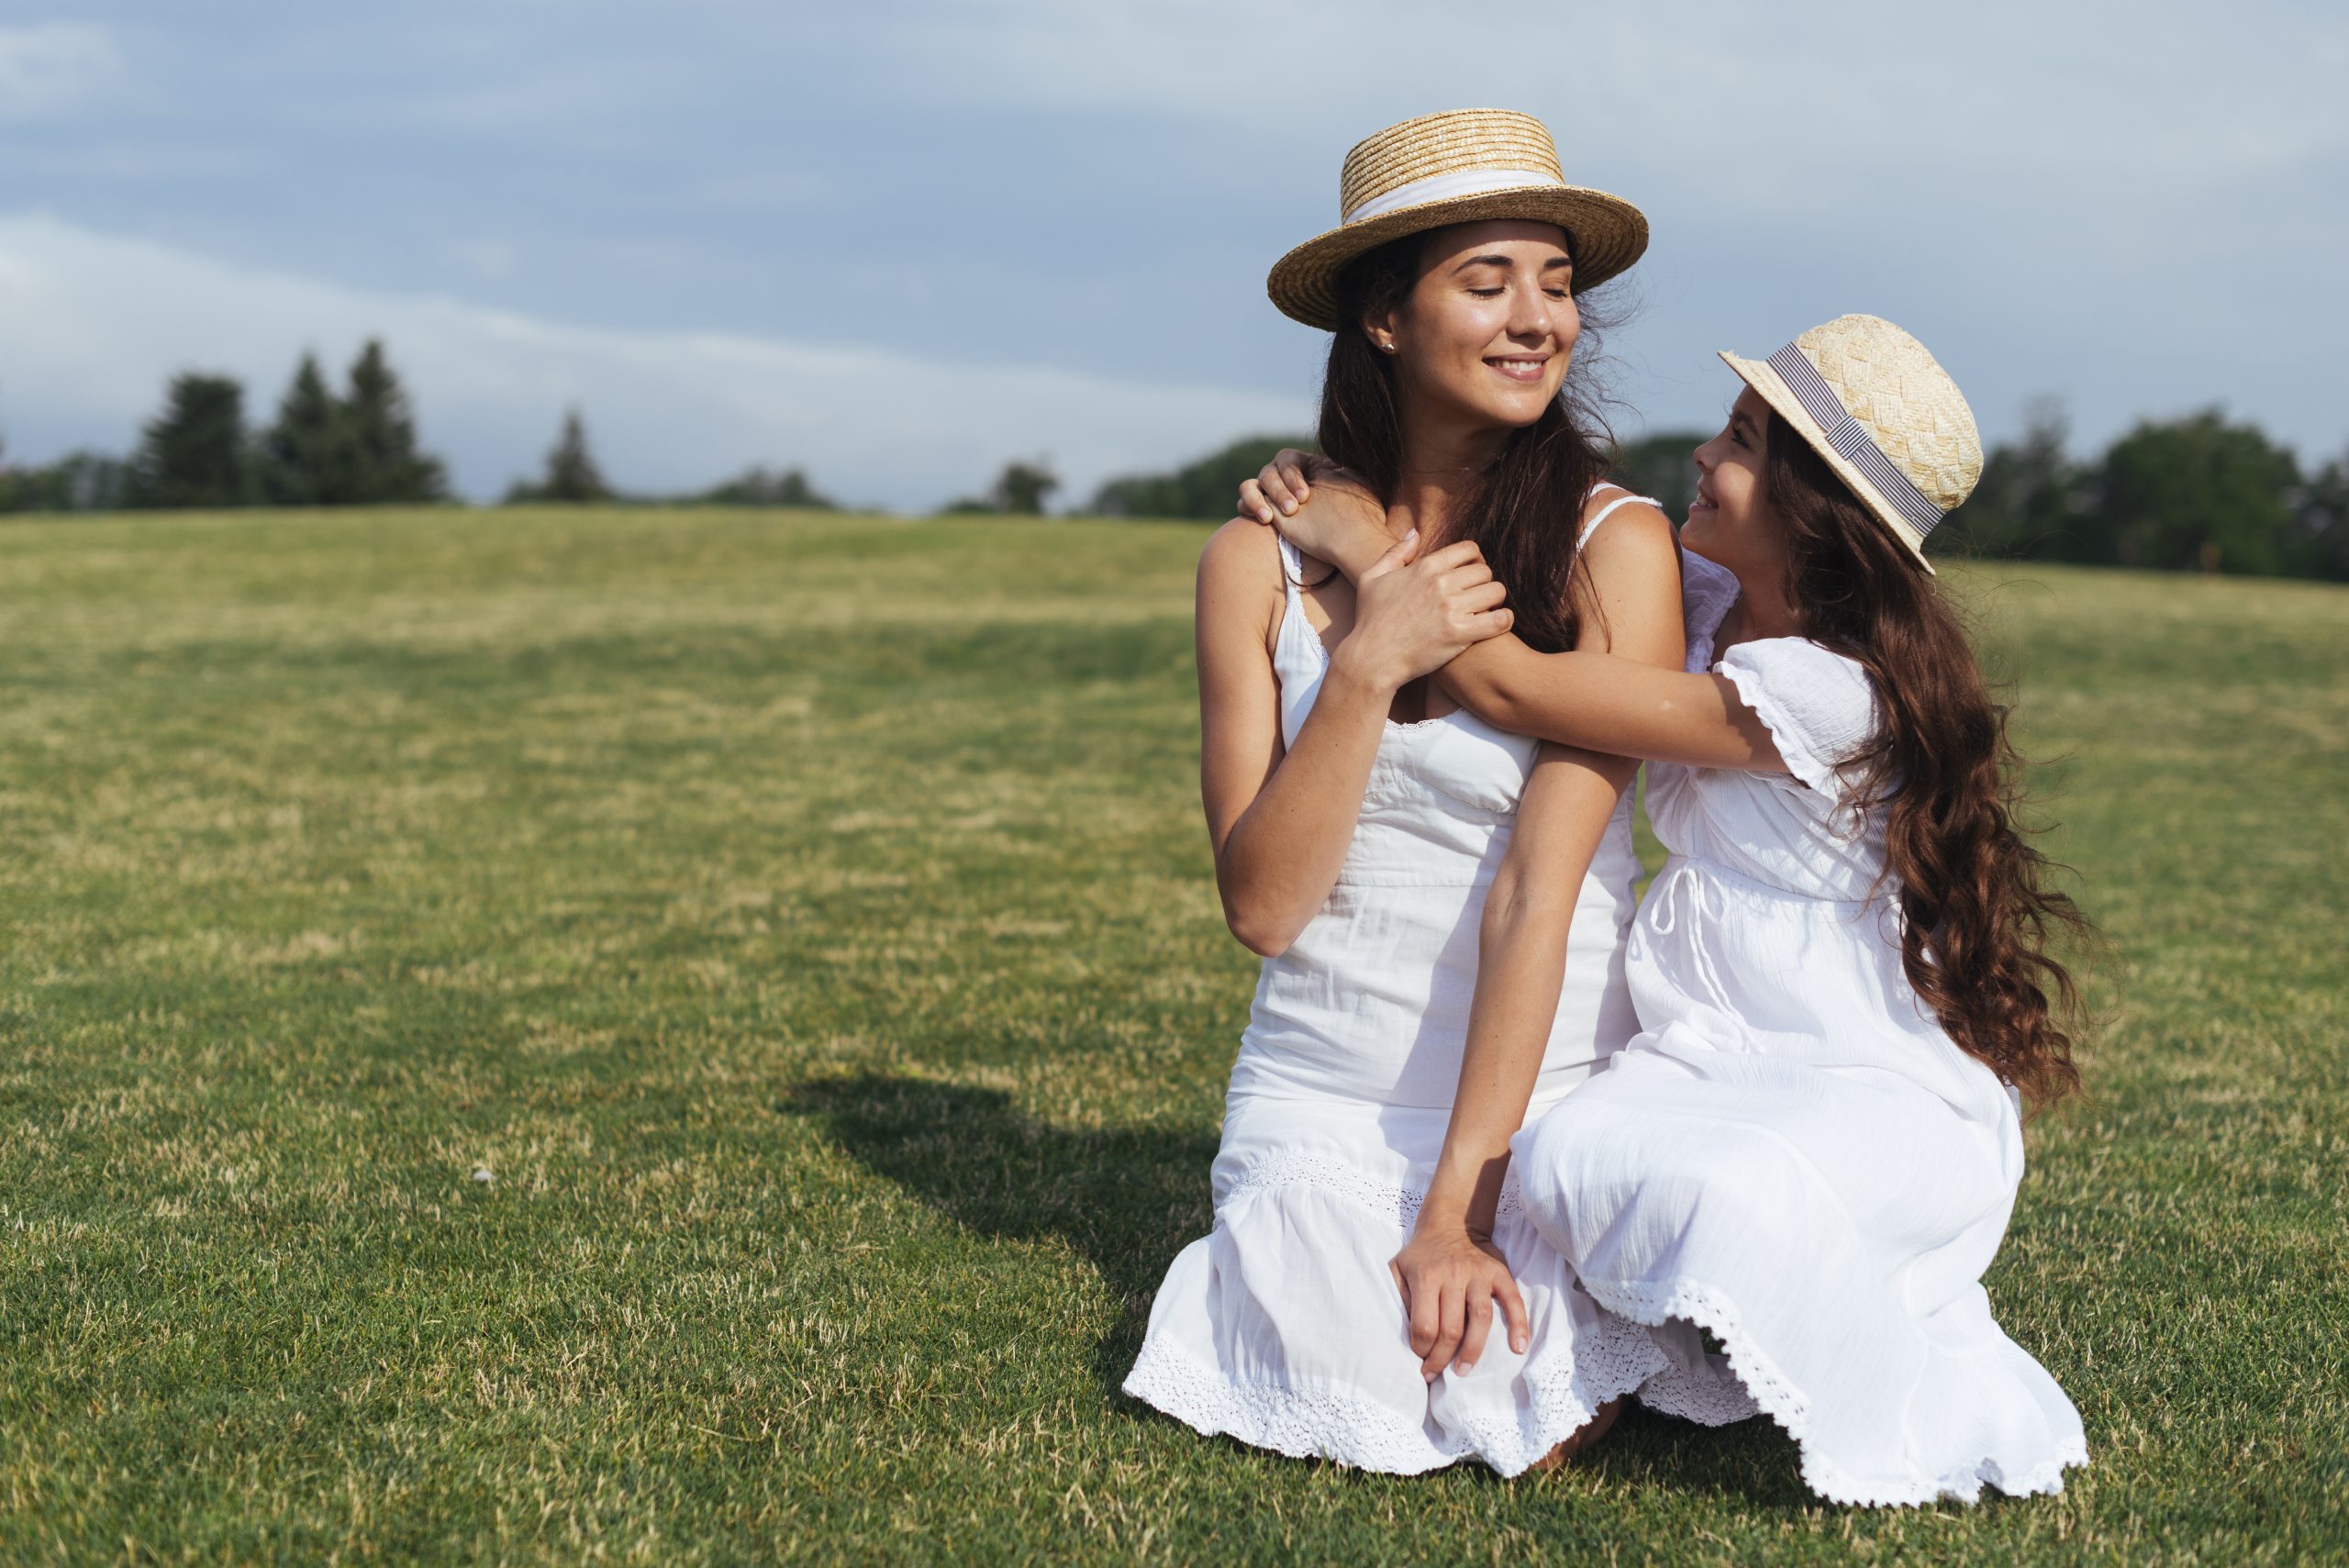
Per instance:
(1978,920)
(1526,513)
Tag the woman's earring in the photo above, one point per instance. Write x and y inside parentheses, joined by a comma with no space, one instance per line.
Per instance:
(1387,348)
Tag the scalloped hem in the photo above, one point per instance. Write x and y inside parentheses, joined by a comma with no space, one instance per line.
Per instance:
(1775,1395)
(1346,1430)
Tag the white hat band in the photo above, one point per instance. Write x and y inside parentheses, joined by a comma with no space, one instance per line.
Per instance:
(1445,187)
(1850,438)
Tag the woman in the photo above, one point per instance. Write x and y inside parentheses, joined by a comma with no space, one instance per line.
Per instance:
(1842,975)
(1440,905)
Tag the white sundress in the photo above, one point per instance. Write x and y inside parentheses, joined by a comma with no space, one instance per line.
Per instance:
(1284,1327)
(1793,1154)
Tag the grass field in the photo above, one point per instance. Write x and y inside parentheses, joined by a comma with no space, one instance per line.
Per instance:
(806,925)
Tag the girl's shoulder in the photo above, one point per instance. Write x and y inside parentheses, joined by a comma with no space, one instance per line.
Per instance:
(1821,705)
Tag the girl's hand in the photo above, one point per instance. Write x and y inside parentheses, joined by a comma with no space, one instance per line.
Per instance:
(1283,483)
(1412,617)
(1450,1280)
(1322,522)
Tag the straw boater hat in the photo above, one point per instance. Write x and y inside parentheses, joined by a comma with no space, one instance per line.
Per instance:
(1883,413)
(1463,166)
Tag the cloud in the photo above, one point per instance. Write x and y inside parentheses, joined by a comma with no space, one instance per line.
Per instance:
(2143,93)
(91,324)
(51,67)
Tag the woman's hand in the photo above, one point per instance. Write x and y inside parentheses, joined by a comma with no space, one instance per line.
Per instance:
(1450,1280)
(1415,616)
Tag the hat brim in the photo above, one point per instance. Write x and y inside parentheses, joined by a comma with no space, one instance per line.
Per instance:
(1781,398)
(1609,235)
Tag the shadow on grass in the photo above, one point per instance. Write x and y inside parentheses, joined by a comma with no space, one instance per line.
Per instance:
(1126,1199)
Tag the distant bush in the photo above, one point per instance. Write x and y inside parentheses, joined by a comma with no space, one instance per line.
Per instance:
(78,482)
(768,487)
(2194,494)
(1021,490)
(1206,489)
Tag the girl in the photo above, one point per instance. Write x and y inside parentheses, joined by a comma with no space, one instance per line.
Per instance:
(1441,904)
(1842,974)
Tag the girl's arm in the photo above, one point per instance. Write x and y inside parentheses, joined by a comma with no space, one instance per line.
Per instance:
(1587,698)
(1449,1273)
(1280,823)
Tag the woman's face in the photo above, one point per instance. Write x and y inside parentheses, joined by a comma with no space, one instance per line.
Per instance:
(1487,330)
(1729,522)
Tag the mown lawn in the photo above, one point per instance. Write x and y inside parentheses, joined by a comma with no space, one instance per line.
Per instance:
(805,925)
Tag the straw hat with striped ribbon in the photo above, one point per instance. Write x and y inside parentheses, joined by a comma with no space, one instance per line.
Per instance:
(1462,166)
(1883,413)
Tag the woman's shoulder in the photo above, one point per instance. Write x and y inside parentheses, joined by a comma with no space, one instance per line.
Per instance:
(1610,505)
(1241,576)
(1242,552)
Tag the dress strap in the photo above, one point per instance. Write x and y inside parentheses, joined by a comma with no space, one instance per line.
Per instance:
(1607,511)
(1292,567)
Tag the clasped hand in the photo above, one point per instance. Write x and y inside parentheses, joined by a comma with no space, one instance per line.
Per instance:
(1413,614)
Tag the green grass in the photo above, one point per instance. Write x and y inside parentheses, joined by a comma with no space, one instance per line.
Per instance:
(807,922)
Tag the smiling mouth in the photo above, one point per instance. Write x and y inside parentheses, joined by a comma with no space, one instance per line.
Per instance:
(1519,367)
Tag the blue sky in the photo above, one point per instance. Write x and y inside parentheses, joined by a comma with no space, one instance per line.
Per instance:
(899,243)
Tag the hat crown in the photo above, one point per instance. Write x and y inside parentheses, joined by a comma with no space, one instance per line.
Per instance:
(1453,142)
(1912,410)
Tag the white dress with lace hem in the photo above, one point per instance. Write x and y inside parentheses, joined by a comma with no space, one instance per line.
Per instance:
(1284,1327)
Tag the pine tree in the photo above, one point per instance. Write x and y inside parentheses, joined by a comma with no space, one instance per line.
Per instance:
(387,465)
(308,458)
(194,453)
(571,474)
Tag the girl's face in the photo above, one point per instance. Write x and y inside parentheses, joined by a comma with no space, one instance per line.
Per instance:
(1729,522)
(1485,336)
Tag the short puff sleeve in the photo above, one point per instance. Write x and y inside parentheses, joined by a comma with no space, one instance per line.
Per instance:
(1821,706)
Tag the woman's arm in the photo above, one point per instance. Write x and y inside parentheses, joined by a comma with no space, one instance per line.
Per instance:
(1280,823)
(1450,1272)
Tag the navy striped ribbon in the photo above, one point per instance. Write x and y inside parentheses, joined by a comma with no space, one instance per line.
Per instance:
(1847,435)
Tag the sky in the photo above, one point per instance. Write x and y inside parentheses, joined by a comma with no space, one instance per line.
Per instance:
(898,244)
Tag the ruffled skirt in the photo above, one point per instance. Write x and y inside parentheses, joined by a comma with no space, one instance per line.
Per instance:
(1830,1229)
(1284,1327)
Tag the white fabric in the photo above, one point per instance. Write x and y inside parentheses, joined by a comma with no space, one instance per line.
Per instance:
(1446,187)
(1792,1153)
(1284,1327)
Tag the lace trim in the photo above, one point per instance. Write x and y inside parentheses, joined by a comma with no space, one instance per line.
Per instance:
(1386,1200)
(1322,1423)
(1302,1423)
(1775,1395)
(1611,1358)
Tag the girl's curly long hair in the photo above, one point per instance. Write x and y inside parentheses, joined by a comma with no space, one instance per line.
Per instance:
(1979,921)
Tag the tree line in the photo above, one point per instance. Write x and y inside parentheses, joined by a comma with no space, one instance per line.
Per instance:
(351,446)
(2201,493)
